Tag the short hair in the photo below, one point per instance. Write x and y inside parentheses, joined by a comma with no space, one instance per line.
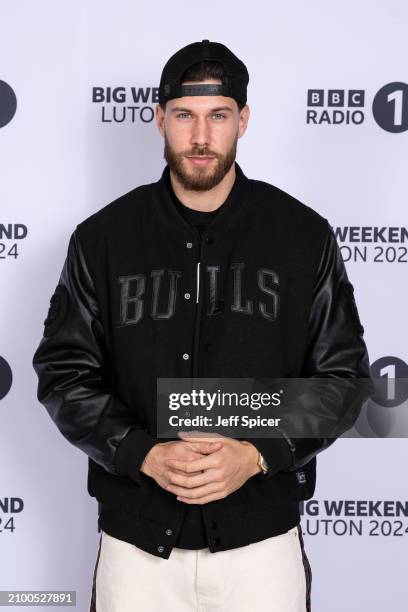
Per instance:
(200,71)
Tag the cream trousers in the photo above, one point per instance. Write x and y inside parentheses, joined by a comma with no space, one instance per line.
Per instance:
(272,575)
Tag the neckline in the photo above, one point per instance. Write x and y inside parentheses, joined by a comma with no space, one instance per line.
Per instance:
(186,210)
(228,213)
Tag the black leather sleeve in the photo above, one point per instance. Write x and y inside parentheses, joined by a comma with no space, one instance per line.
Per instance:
(335,348)
(74,383)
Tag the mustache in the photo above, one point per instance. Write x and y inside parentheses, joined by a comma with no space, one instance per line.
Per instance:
(201,152)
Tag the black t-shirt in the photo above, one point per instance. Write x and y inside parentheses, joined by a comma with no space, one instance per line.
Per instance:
(198,218)
(192,533)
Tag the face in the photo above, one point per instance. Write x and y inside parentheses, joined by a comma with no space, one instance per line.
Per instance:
(200,137)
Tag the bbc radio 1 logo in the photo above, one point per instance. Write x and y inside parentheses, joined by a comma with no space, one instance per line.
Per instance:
(385,413)
(6,377)
(348,107)
(8,103)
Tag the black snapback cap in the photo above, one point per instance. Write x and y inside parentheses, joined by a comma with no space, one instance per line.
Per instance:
(234,82)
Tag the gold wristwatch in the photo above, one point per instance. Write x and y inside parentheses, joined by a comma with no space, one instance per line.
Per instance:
(262,464)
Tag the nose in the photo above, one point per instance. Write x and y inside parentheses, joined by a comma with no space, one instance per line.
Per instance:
(200,135)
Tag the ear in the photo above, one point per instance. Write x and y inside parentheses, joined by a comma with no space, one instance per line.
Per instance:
(243,120)
(160,119)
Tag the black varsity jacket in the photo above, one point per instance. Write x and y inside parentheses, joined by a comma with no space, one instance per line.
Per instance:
(264,294)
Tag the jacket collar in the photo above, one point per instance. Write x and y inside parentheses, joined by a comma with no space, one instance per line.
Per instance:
(230,211)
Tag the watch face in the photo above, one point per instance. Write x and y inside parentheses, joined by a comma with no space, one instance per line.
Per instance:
(264,465)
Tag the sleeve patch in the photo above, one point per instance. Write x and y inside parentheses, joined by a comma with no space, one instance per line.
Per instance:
(57,310)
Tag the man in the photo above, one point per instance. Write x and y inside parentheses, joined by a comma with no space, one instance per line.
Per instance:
(205,273)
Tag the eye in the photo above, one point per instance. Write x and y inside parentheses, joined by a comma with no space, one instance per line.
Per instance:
(182,114)
(219,115)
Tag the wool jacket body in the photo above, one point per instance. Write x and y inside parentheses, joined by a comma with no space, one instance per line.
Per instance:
(269,298)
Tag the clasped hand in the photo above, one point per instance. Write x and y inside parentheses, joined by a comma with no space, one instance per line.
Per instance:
(207,470)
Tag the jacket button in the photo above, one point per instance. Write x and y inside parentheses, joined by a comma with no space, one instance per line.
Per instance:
(160,549)
(169,532)
(210,240)
(186,356)
(206,346)
(187,296)
(189,245)
(213,524)
(216,541)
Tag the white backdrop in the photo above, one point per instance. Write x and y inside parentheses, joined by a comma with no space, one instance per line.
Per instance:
(66,152)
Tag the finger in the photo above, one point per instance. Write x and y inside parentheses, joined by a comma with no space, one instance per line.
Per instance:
(182,473)
(190,481)
(205,448)
(200,435)
(190,453)
(176,471)
(202,500)
(195,451)
(196,433)
(209,461)
(201,442)
(197,492)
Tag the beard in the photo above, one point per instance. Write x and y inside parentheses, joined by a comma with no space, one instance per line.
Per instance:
(199,179)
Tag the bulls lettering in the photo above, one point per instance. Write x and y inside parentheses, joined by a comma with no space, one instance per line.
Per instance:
(165,285)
